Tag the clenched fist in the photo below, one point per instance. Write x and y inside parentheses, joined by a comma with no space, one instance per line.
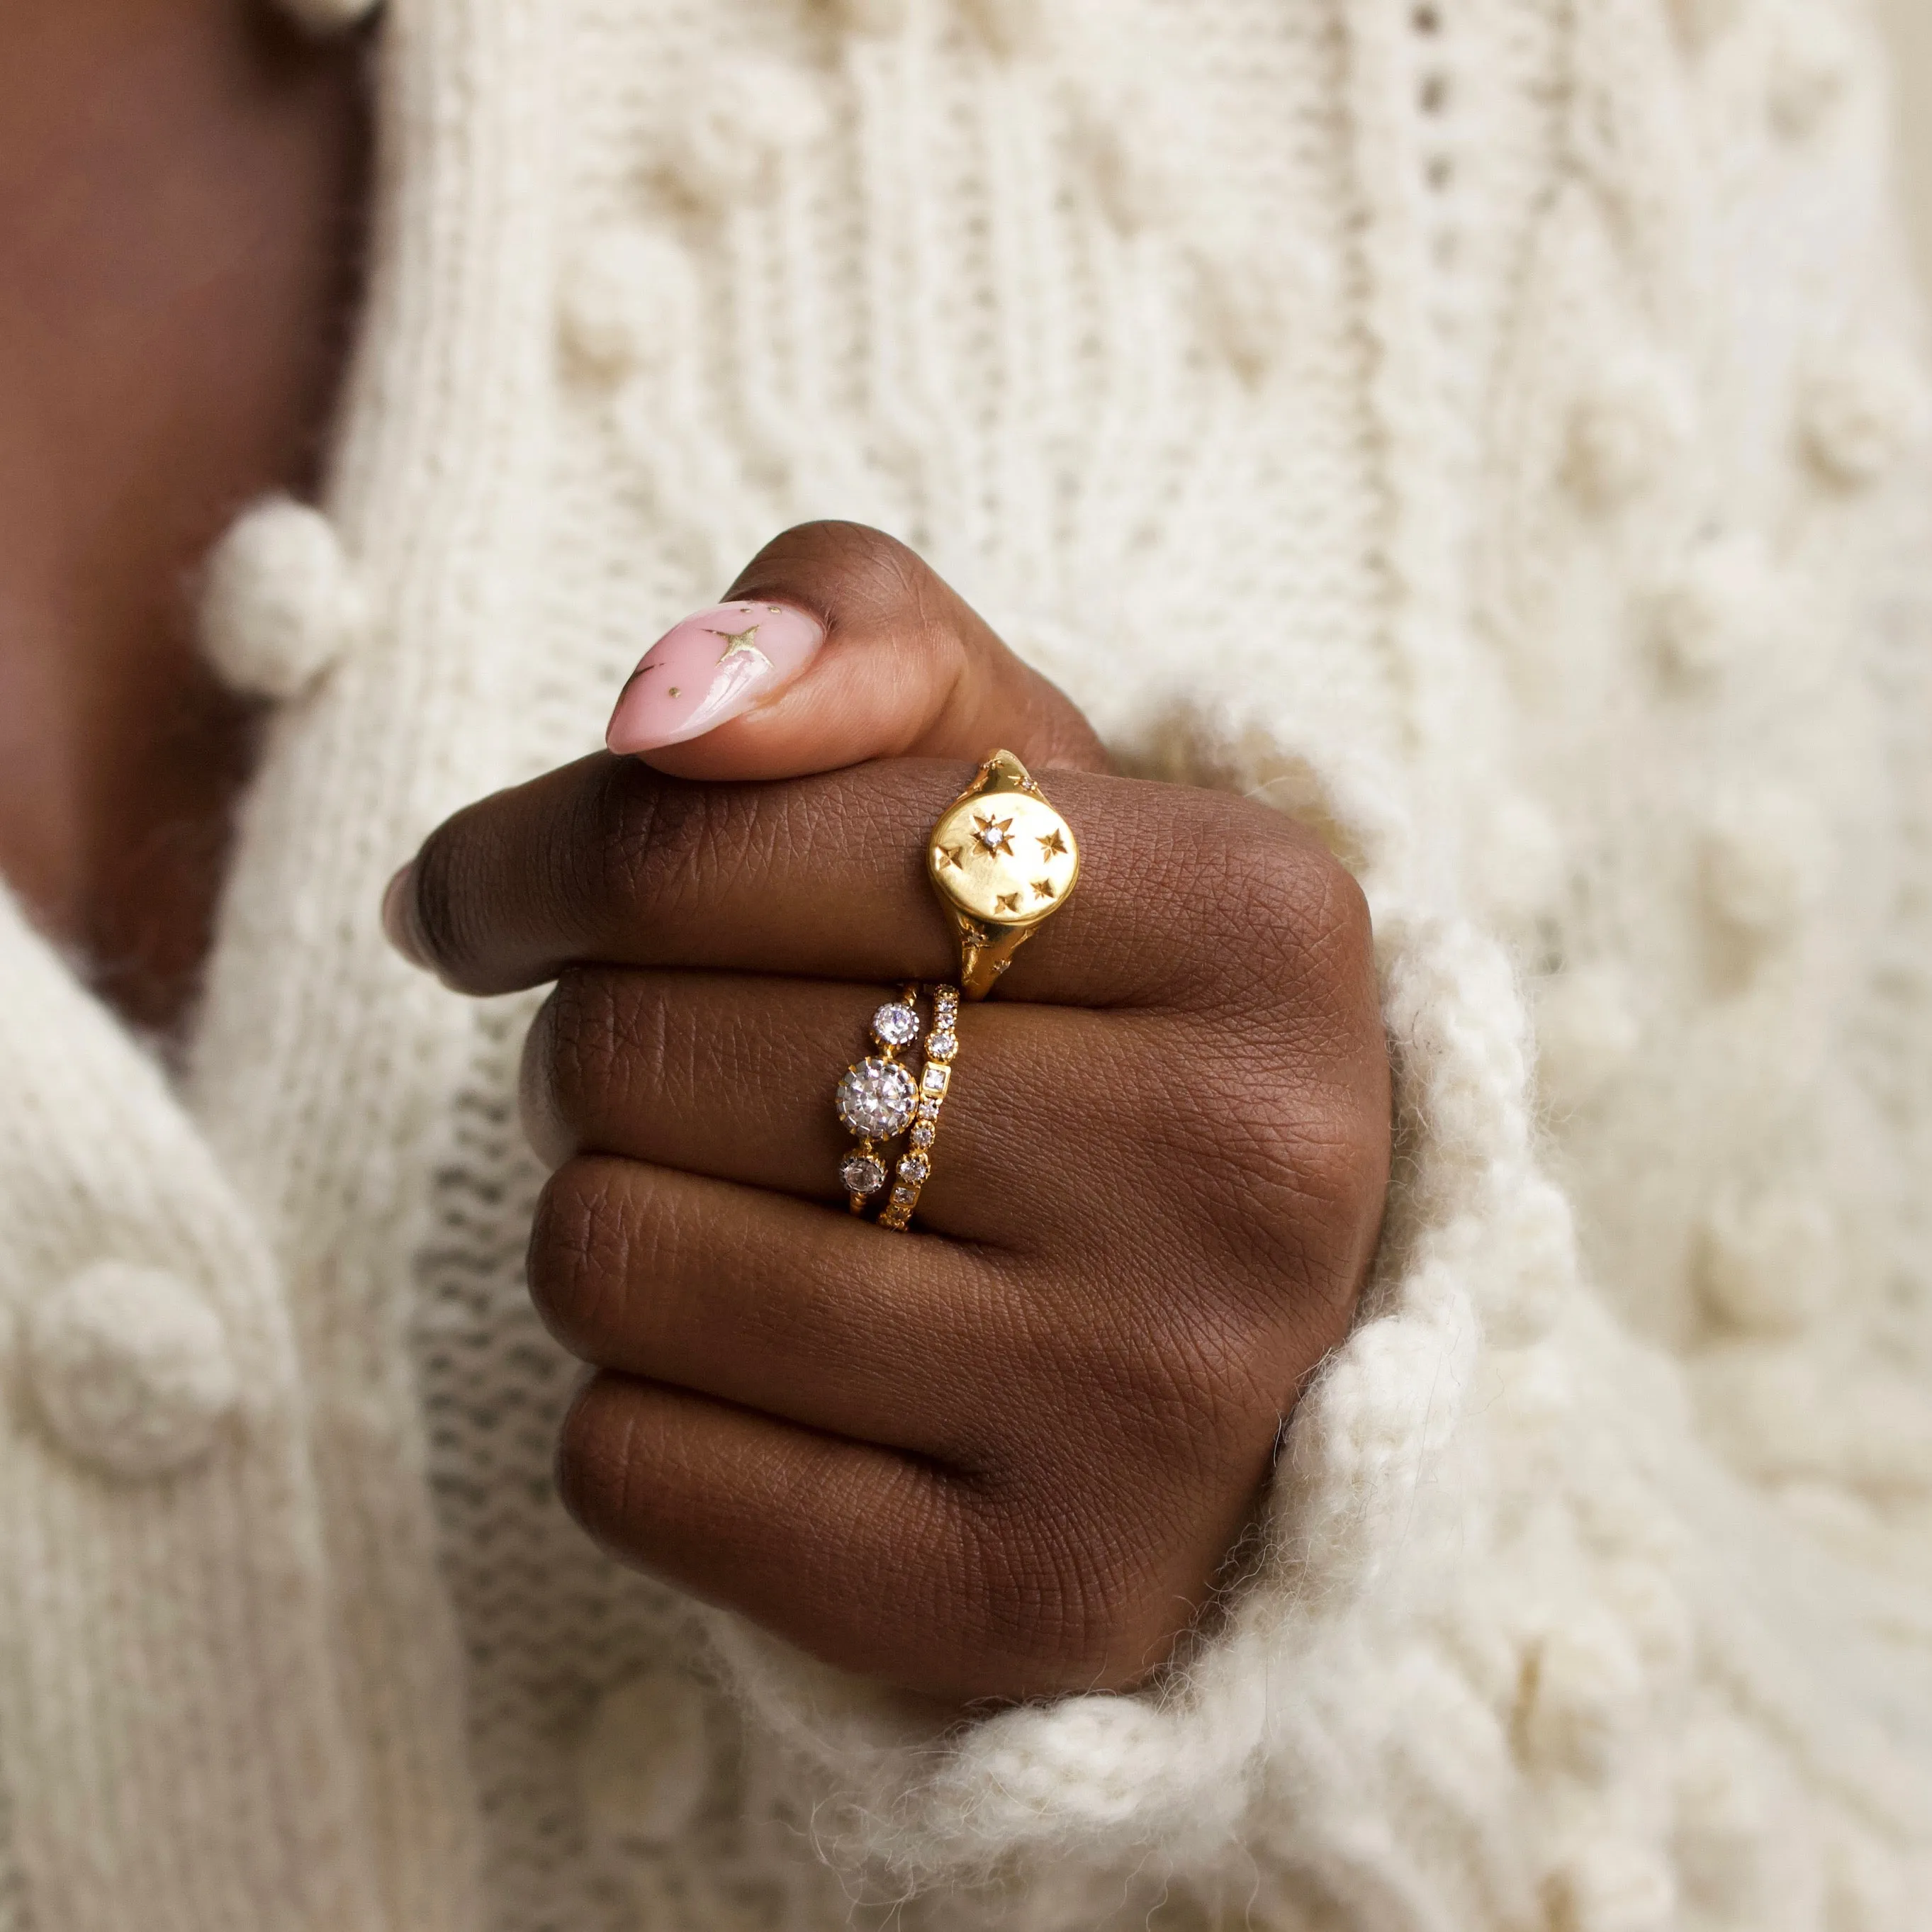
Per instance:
(1005,1454)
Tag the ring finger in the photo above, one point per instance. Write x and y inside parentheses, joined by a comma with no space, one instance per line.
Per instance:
(732,1075)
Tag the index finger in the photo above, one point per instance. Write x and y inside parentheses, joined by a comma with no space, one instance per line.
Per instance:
(608,862)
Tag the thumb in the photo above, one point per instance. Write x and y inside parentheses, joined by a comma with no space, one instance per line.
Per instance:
(838,644)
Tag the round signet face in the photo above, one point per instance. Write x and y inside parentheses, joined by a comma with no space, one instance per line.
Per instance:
(1006,857)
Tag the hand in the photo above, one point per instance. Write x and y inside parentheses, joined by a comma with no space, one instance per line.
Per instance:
(1008,1453)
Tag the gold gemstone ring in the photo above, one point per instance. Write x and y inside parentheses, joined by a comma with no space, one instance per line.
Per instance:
(877,1096)
(1003,861)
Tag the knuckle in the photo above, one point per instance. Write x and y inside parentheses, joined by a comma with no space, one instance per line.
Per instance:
(1291,1138)
(1340,941)
(1306,918)
(1294,1190)
(596,1452)
(584,1252)
(1208,1387)
(1070,1597)
(1340,1156)
(597,1053)
(587,1049)
(633,825)
(550,1122)
(650,850)
(1202,1392)
(640,837)
(444,909)
(1079,1561)
(1297,1108)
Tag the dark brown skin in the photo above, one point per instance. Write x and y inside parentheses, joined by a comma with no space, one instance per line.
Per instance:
(181,185)
(1003,1456)
(1006,1455)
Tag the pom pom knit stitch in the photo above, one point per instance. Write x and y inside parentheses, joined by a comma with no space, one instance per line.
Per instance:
(1544,368)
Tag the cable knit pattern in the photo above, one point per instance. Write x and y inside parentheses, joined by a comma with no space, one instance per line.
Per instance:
(1544,367)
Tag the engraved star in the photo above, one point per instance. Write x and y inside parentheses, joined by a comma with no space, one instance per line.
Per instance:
(995,834)
(736,641)
(1042,889)
(948,855)
(1007,902)
(1052,846)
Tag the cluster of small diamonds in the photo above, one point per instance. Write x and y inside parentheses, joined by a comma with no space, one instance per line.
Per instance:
(877,1096)
(935,1077)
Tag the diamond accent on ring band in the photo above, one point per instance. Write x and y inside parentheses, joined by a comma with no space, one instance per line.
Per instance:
(896,1024)
(913,1169)
(862,1173)
(876,1099)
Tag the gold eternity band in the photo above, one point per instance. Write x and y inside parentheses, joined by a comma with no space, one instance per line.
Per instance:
(1003,861)
(935,1078)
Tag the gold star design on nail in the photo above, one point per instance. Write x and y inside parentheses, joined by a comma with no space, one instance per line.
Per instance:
(1007,902)
(995,834)
(1052,846)
(673,690)
(948,855)
(1042,889)
(736,641)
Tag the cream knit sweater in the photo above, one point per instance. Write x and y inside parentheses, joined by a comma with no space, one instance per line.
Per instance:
(1487,428)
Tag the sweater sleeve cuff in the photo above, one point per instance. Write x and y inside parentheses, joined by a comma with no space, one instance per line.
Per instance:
(1502,1657)
(932,1796)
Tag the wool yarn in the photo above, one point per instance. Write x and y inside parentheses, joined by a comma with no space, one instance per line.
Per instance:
(280,603)
(1546,370)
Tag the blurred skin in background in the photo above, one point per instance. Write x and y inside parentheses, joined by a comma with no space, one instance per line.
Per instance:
(181,189)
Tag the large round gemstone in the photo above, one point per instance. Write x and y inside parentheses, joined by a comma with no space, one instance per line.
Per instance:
(876,1099)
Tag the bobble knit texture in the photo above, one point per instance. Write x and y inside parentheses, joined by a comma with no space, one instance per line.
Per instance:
(1545,371)
(280,603)
(131,1368)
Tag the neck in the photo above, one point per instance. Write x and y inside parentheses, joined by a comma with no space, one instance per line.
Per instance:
(180,184)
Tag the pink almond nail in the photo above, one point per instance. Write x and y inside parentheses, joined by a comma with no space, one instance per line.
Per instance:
(712,667)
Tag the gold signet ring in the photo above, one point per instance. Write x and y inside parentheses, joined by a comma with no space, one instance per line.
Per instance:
(1002,861)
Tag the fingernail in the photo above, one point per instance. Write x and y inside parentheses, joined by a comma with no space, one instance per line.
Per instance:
(711,668)
(398,915)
